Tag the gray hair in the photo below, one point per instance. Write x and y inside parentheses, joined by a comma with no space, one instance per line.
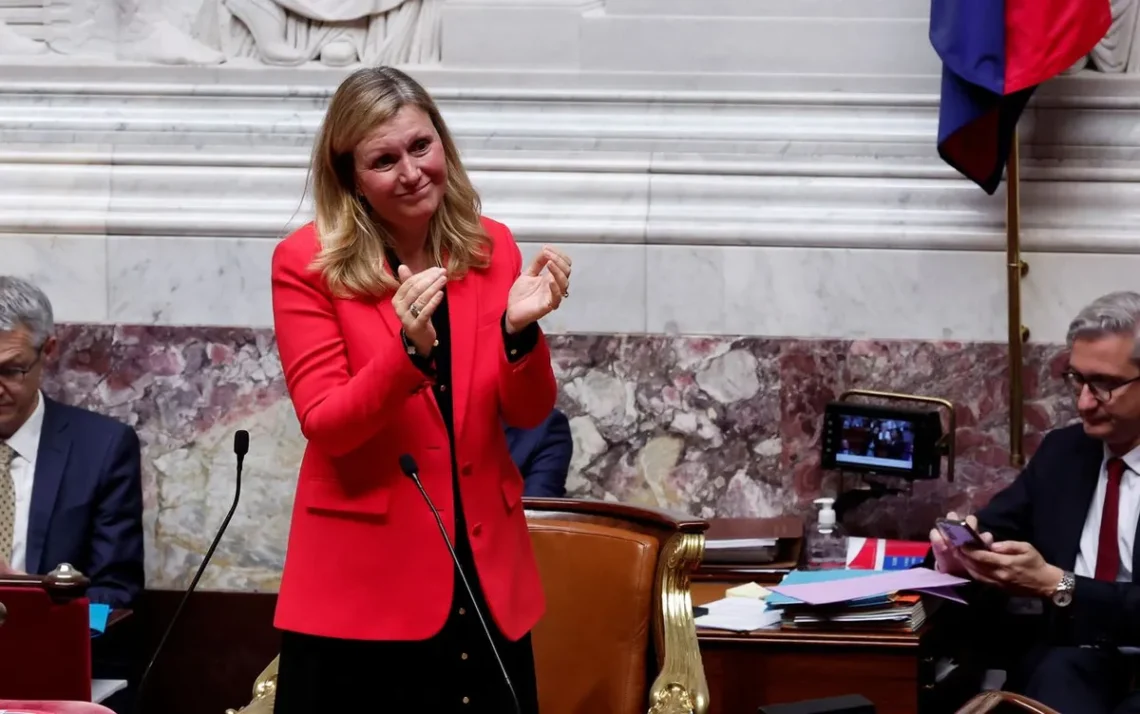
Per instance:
(24,305)
(1113,314)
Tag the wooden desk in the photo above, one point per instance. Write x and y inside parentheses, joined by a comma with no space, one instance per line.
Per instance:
(117,615)
(894,670)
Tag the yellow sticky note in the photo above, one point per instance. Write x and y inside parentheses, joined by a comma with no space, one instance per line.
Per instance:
(751,590)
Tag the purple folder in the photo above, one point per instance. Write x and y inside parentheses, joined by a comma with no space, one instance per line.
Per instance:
(833,591)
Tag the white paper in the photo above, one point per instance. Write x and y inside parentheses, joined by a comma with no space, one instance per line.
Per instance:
(101,689)
(732,543)
(751,590)
(738,614)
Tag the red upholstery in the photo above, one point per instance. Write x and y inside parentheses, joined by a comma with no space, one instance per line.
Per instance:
(46,645)
(14,707)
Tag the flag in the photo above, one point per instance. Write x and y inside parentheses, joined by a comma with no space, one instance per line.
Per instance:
(994,54)
(885,554)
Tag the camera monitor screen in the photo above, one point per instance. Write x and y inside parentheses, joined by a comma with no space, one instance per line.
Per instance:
(875,439)
(871,441)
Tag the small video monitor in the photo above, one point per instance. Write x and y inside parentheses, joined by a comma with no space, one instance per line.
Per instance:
(864,438)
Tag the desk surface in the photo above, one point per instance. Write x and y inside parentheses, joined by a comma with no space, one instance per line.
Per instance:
(895,670)
(117,616)
(705,592)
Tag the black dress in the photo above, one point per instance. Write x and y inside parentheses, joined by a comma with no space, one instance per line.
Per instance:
(454,671)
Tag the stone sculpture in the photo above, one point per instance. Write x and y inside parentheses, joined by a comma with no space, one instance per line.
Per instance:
(13,43)
(1119,51)
(128,30)
(336,32)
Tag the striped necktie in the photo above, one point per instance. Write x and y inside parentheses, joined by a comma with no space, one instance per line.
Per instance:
(7,502)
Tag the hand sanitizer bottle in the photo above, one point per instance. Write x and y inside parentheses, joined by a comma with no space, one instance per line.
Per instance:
(827,543)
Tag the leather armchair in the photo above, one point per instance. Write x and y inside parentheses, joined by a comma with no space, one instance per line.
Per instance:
(1004,702)
(618,635)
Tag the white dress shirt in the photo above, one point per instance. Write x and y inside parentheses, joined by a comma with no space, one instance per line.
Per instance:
(1126,519)
(26,443)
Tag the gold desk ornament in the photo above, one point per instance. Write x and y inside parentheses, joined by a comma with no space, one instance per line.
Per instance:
(673,699)
(65,583)
(680,687)
(264,691)
(946,444)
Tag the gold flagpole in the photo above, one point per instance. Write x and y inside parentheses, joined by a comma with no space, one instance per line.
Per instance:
(1018,334)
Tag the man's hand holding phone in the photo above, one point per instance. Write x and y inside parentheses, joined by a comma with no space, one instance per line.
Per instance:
(950,536)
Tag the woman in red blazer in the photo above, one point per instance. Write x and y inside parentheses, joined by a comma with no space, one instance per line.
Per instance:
(407,325)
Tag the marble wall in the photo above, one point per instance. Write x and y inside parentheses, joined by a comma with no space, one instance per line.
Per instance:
(752,196)
(704,425)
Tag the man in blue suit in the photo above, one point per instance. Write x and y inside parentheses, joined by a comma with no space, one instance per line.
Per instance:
(70,482)
(543,455)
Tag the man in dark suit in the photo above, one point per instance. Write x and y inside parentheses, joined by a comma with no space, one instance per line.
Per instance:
(70,483)
(1065,530)
(543,455)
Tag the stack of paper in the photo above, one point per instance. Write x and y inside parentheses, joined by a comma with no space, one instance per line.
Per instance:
(861,598)
(738,614)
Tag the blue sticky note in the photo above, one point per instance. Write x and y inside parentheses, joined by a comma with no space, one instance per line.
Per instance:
(99,615)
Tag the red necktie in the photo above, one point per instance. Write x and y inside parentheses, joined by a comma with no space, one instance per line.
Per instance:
(1107,550)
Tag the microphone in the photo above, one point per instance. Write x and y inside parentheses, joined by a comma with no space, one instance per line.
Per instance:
(241,448)
(408,466)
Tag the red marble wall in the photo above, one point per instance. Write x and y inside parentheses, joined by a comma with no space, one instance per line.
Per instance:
(712,426)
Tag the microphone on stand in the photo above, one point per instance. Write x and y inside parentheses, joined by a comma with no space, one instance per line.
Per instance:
(408,466)
(241,448)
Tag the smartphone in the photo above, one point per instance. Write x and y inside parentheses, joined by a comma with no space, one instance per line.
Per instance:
(959,534)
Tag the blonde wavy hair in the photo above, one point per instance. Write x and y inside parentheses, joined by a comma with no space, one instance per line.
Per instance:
(351,258)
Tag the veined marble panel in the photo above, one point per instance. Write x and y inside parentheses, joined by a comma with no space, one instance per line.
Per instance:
(617,288)
(71,269)
(708,426)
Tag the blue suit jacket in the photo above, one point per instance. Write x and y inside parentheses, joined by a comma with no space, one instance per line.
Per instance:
(87,503)
(543,455)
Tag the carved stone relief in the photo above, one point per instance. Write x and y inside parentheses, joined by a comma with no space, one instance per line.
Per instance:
(335,32)
(128,30)
(1119,51)
(13,43)
(273,32)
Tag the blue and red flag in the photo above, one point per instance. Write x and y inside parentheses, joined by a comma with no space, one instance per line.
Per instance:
(994,54)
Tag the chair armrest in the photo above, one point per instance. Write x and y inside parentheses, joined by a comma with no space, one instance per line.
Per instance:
(681,685)
(989,701)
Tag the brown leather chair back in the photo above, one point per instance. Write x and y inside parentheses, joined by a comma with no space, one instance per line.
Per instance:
(610,572)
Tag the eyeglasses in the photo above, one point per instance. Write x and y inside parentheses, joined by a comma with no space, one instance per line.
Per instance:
(14,376)
(1101,388)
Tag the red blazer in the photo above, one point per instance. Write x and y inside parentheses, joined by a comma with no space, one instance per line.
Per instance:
(365,558)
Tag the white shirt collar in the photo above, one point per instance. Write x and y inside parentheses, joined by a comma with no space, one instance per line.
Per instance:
(26,441)
(1131,459)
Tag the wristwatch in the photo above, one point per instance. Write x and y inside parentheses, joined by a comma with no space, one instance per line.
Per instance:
(1063,594)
